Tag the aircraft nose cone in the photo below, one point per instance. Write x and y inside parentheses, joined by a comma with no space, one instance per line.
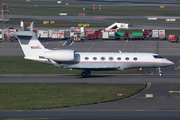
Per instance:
(170,62)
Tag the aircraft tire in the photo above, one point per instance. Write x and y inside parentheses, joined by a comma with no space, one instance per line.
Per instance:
(160,74)
(83,74)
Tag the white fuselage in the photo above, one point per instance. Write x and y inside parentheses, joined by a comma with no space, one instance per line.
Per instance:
(120,61)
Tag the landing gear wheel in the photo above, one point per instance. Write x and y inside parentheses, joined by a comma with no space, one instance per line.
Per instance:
(159,71)
(83,74)
(160,74)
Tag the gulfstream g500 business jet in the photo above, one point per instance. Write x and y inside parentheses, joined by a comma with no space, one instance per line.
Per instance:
(87,61)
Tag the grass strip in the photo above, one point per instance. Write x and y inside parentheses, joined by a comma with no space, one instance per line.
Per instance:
(18,65)
(48,96)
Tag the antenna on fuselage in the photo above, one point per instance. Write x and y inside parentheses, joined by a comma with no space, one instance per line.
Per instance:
(120,51)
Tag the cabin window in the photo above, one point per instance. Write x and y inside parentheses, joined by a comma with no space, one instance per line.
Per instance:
(127,58)
(119,58)
(135,58)
(94,58)
(111,58)
(102,58)
(86,58)
(157,56)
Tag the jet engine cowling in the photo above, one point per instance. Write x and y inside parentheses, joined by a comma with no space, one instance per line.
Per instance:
(60,55)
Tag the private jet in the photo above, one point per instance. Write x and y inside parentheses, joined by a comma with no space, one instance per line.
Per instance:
(87,61)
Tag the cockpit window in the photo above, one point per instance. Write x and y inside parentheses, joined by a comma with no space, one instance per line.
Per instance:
(157,56)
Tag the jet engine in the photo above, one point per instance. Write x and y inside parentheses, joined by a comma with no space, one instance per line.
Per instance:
(60,55)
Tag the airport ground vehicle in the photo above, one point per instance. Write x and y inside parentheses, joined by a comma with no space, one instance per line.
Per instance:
(96,35)
(4,34)
(82,33)
(121,35)
(109,33)
(173,38)
(78,40)
(147,34)
(114,35)
(136,36)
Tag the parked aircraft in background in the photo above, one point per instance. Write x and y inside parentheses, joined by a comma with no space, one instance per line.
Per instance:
(87,61)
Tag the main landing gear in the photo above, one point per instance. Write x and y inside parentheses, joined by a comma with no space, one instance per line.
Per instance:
(85,73)
(159,71)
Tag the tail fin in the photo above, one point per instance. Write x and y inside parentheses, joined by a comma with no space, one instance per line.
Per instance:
(30,45)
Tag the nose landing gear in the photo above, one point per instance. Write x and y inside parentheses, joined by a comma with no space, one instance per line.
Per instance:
(159,71)
(85,73)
